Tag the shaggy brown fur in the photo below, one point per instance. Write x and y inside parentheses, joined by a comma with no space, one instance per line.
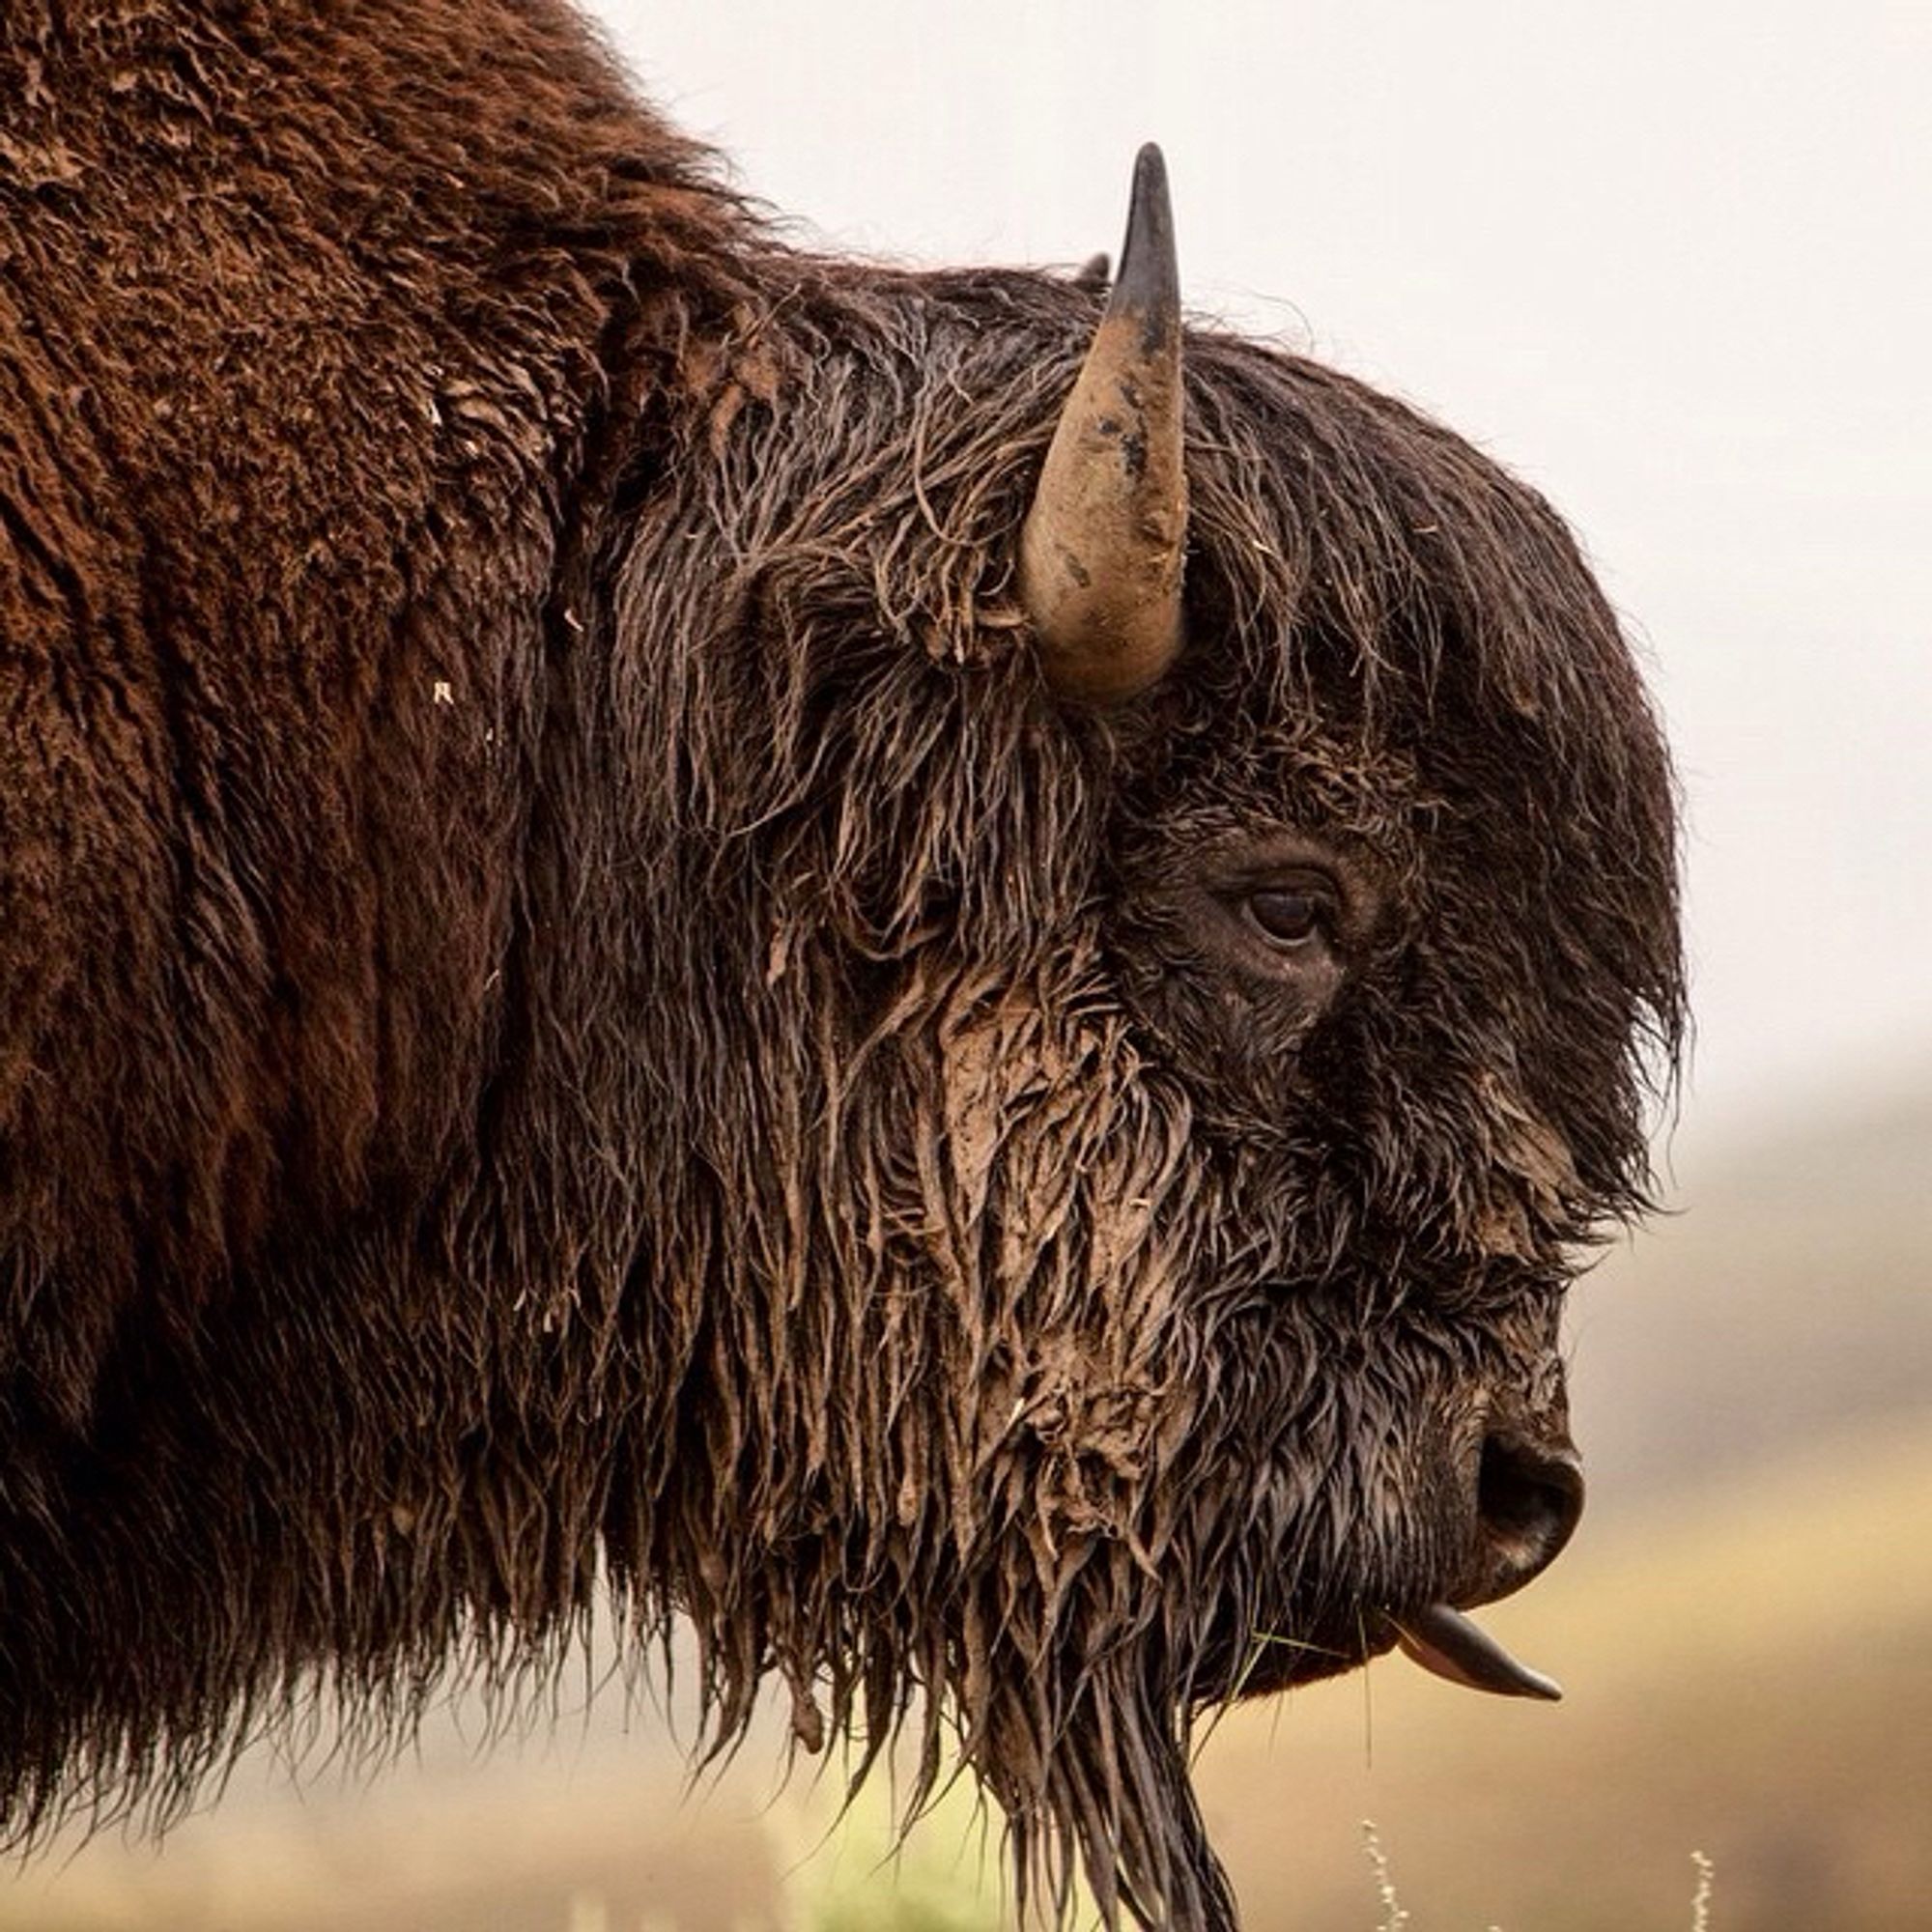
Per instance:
(575,1019)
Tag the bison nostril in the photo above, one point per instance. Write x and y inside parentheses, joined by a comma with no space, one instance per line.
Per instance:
(1528,1500)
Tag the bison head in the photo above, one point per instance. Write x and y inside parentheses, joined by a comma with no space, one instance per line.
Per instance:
(1140,1061)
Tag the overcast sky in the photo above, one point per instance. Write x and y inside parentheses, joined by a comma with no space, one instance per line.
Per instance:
(1671,262)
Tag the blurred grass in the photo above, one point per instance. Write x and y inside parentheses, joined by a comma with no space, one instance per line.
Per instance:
(861,1876)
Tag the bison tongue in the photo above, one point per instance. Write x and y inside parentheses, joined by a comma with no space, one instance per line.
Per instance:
(1445,1641)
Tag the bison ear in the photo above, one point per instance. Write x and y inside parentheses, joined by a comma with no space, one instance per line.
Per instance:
(1103,545)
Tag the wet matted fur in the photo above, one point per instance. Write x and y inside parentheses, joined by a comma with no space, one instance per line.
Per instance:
(575,1019)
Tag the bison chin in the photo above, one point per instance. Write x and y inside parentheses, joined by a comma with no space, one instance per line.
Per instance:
(1089,1754)
(1365,1527)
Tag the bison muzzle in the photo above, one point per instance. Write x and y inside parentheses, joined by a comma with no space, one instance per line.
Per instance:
(919,968)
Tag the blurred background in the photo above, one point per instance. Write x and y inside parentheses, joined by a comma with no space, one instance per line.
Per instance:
(1673,263)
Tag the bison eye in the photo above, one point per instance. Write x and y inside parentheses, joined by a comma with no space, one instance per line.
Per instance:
(1288,917)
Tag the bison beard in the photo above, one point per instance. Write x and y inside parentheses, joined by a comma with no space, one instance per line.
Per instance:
(578,1019)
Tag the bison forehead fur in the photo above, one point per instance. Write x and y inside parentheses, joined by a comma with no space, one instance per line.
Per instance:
(576,1020)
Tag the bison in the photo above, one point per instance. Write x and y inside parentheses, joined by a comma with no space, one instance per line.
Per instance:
(918,968)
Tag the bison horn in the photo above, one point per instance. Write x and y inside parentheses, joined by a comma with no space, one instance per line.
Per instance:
(1103,545)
